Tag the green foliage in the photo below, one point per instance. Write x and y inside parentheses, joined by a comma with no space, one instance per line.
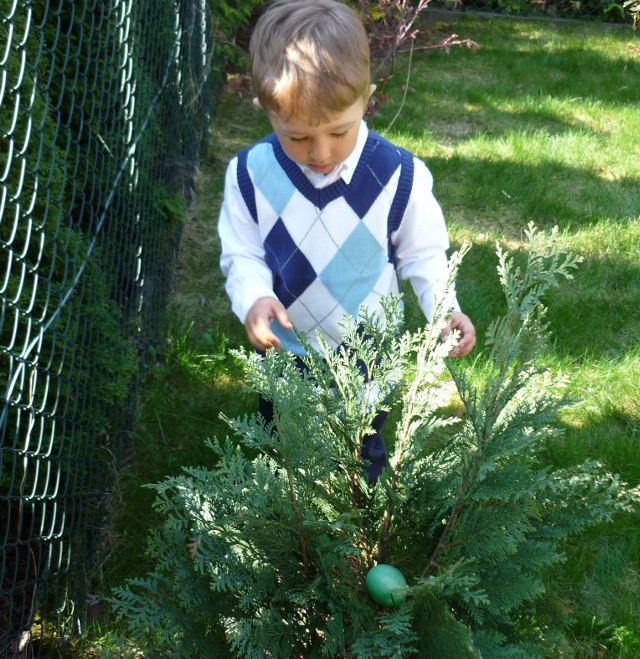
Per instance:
(203,359)
(228,16)
(268,551)
(608,10)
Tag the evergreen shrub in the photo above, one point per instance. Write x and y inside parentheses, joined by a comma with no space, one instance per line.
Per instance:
(229,16)
(267,552)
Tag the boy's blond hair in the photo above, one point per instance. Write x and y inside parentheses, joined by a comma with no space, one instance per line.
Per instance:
(309,58)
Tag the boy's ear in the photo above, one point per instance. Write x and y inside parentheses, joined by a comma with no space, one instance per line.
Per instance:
(256,103)
(370,104)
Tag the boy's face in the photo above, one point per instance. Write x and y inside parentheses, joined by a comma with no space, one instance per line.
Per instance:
(320,147)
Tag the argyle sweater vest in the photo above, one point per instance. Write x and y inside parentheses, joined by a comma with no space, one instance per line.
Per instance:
(329,249)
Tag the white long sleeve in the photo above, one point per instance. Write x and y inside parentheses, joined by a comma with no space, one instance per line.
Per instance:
(421,241)
(248,277)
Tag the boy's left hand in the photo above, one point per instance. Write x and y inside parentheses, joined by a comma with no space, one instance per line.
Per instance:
(462,323)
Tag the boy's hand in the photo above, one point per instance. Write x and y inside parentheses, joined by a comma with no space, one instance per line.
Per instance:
(462,323)
(258,323)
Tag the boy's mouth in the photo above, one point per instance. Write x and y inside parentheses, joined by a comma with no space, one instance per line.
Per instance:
(320,169)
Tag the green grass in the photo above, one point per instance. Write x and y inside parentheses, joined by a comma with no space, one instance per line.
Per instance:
(541,124)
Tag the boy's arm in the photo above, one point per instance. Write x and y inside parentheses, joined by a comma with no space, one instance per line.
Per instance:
(421,244)
(249,281)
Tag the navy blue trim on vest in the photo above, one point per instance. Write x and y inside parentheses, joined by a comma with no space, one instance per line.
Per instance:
(403,192)
(246,184)
(401,199)
(379,158)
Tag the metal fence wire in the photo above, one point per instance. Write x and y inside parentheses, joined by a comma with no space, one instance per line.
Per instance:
(104,107)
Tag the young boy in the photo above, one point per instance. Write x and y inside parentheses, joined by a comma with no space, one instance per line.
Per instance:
(323,215)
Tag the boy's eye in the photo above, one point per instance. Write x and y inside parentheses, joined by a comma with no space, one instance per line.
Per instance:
(304,139)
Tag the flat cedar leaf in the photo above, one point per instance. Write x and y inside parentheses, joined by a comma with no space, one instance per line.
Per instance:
(269,549)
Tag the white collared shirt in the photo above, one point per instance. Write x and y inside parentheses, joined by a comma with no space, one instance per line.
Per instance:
(345,169)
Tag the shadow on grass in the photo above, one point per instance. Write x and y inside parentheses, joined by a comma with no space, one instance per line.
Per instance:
(585,322)
(519,64)
(180,410)
(612,438)
(575,73)
(512,194)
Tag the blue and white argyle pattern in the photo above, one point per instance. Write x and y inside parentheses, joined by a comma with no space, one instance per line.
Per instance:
(328,248)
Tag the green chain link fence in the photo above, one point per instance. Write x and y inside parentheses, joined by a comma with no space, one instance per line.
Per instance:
(104,109)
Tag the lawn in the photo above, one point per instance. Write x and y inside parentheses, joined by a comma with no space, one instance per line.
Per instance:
(540,124)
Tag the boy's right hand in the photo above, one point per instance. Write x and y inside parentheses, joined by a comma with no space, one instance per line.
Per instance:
(258,323)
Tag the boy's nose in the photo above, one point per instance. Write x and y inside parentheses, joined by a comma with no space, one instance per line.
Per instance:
(319,151)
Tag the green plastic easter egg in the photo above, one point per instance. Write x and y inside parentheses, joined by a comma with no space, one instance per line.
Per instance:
(386,585)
